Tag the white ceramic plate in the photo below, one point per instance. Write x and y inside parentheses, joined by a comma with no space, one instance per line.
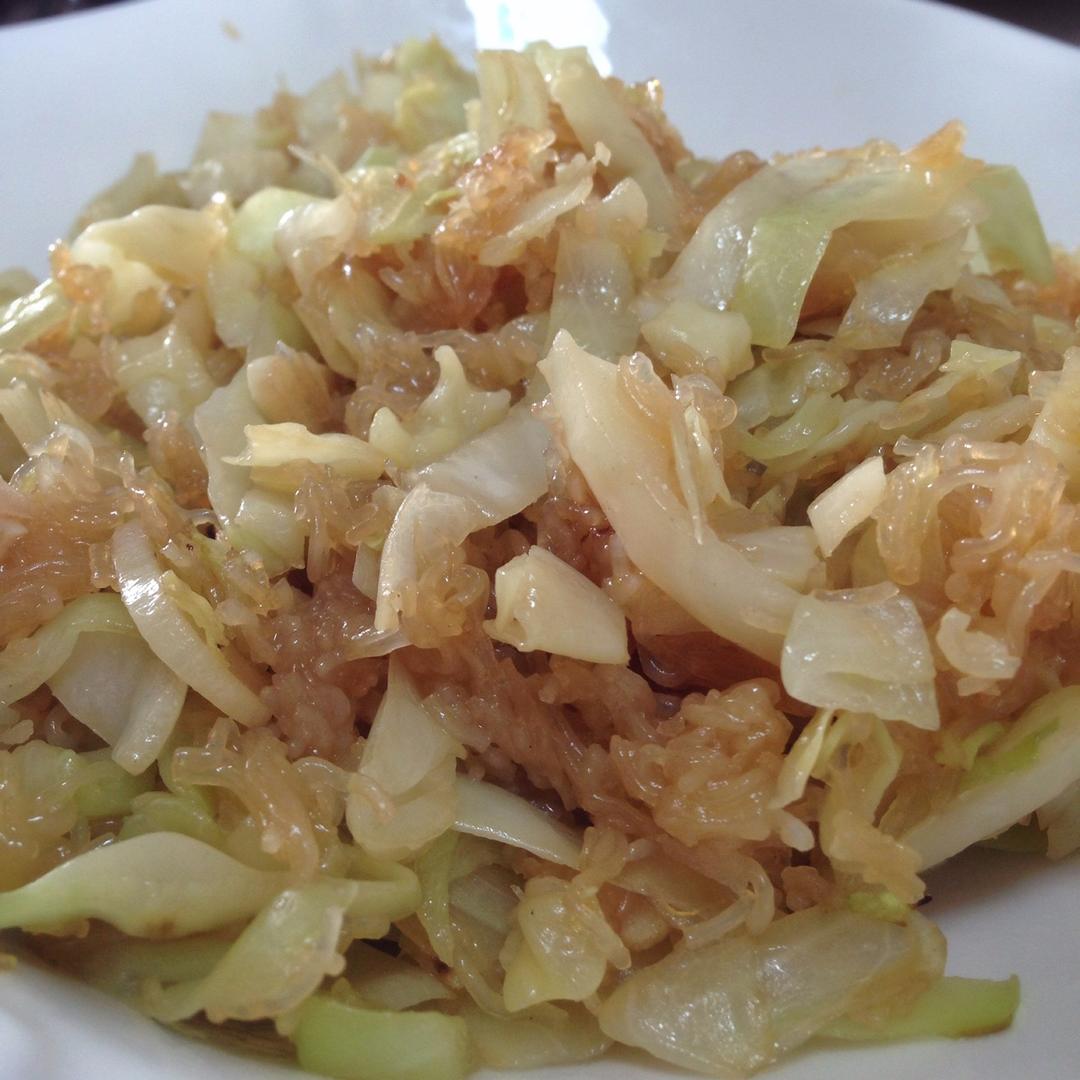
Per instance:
(81,94)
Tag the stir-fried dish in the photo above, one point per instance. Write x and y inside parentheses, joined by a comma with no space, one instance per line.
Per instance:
(480,583)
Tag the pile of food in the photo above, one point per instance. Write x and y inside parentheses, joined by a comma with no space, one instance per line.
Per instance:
(480,583)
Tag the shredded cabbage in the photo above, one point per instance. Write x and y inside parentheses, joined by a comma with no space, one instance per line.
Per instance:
(121,691)
(1056,425)
(858,761)
(597,117)
(689,337)
(452,413)
(1012,236)
(486,810)
(104,674)
(561,945)
(157,885)
(887,300)
(844,506)
(175,243)
(403,795)
(541,603)
(512,95)
(169,633)
(952,1007)
(336,1039)
(391,982)
(28,317)
(27,663)
(165,371)
(709,267)
(480,583)
(425,521)
(611,445)
(594,290)
(864,651)
(468,901)
(270,446)
(1037,761)
(801,760)
(1060,820)
(533,1039)
(537,216)
(257,519)
(736,1005)
(501,471)
(47,793)
(279,960)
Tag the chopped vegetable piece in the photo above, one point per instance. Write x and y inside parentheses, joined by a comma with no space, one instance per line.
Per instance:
(952,1008)
(339,1040)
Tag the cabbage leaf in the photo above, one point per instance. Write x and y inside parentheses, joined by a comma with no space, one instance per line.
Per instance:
(1037,760)
(544,603)
(502,470)
(337,1039)
(451,414)
(490,811)
(252,518)
(731,1007)
(276,963)
(863,650)
(628,472)
(170,633)
(156,885)
(402,795)
(951,1008)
